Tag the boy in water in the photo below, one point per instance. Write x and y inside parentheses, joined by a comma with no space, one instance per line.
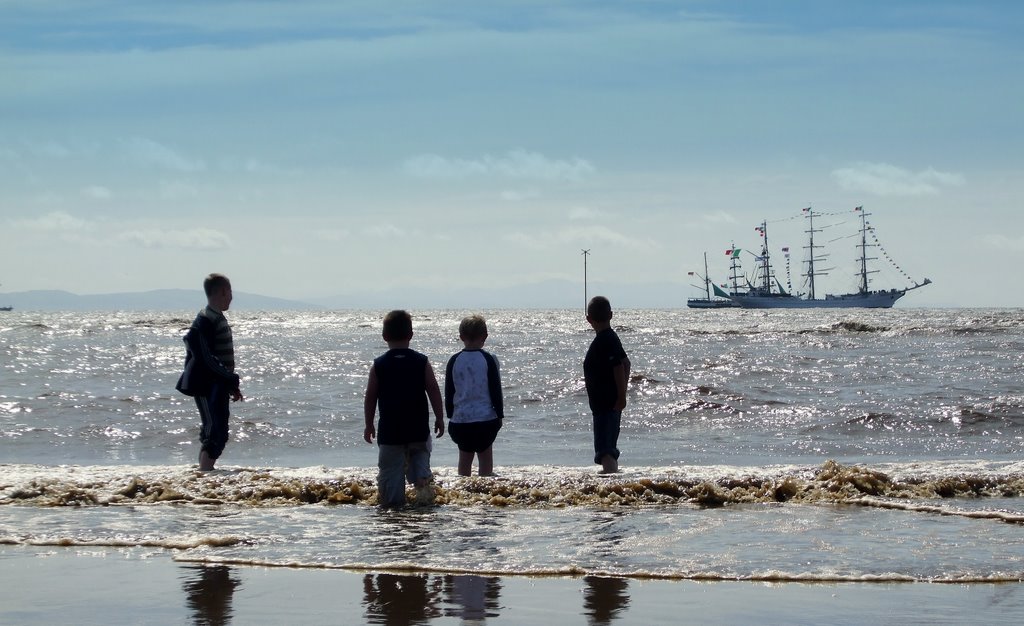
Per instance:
(209,374)
(472,398)
(401,381)
(606,372)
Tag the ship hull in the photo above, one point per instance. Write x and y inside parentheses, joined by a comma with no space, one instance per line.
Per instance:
(871,300)
(703,303)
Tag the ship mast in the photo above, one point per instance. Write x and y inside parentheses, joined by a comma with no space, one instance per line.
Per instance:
(734,269)
(766,266)
(707,280)
(810,247)
(864,245)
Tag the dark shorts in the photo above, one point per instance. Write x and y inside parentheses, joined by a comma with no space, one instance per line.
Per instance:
(474,436)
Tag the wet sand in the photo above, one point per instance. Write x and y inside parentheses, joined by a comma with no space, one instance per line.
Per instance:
(75,585)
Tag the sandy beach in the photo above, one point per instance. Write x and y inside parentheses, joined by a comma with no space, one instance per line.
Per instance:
(78,585)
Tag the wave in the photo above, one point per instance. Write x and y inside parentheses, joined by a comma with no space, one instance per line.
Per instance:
(717,486)
(180,543)
(772,576)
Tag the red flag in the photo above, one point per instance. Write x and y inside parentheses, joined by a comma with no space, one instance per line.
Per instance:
(728,252)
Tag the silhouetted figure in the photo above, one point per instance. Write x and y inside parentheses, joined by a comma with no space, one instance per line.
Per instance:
(472,598)
(208,594)
(400,599)
(604,598)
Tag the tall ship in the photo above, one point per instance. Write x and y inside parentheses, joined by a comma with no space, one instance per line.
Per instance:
(715,297)
(767,292)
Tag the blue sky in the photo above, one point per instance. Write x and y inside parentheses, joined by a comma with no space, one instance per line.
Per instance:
(314,148)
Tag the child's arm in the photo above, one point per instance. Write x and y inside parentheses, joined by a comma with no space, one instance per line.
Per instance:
(494,386)
(370,406)
(434,395)
(621,374)
(449,387)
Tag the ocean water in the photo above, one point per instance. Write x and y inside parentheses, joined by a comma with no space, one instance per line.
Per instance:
(831,447)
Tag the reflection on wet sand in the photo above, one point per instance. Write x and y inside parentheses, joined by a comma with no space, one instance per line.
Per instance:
(604,599)
(208,594)
(400,599)
(472,598)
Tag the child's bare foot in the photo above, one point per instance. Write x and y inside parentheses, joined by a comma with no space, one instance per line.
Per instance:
(205,462)
(609,465)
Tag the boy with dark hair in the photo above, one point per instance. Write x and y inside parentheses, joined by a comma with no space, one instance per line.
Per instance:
(401,381)
(606,373)
(472,398)
(209,374)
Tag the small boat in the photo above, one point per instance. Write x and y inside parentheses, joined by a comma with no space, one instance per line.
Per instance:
(721,299)
(6,308)
(767,292)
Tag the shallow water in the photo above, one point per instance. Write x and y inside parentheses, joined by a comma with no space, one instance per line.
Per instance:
(839,446)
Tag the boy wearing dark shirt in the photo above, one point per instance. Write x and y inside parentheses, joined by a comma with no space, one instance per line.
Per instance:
(401,381)
(209,374)
(606,373)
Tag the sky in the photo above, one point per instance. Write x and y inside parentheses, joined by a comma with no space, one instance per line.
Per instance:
(317,148)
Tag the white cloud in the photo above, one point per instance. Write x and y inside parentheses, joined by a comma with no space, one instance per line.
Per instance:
(195,239)
(58,221)
(384,231)
(585,213)
(51,149)
(332,235)
(883,179)
(584,236)
(719,217)
(97,192)
(512,195)
(519,164)
(1002,242)
(150,152)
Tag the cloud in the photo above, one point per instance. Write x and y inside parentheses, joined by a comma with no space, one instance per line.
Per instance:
(882,179)
(51,149)
(586,213)
(513,195)
(195,239)
(58,221)
(517,164)
(719,217)
(332,235)
(384,231)
(150,152)
(97,192)
(1002,242)
(584,236)
(177,190)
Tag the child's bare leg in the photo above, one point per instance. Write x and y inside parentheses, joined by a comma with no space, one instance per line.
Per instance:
(486,459)
(465,463)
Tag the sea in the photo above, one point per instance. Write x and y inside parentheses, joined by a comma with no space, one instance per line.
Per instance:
(845,451)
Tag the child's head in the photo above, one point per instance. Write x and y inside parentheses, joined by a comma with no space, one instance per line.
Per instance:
(599,310)
(473,329)
(218,291)
(397,326)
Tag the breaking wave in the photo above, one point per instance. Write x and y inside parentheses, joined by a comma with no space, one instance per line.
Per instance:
(907,487)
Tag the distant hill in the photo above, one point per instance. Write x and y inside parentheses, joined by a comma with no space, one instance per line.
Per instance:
(157,300)
(553,294)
